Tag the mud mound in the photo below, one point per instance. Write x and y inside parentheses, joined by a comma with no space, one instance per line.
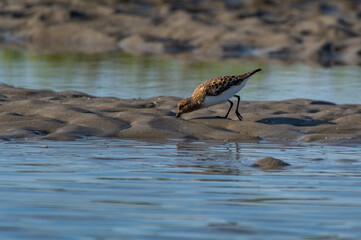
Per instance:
(45,114)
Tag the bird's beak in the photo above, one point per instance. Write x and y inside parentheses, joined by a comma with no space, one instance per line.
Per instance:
(178,115)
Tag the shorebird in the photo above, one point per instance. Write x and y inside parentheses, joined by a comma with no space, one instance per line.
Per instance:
(215,91)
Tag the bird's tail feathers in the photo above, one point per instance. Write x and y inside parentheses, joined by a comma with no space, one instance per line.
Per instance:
(257,70)
(247,75)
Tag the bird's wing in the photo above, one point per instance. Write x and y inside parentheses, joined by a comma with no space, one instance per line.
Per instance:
(217,85)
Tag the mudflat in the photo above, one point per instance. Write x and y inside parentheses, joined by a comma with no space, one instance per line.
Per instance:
(322,32)
(45,114)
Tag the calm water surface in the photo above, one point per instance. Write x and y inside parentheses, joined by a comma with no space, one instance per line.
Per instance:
(122,189)
(126,76)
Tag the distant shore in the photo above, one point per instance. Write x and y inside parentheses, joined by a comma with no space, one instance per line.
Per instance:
(317,32)
(70,115)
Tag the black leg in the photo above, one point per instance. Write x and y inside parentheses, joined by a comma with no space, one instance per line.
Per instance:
(237,113)
(230,107)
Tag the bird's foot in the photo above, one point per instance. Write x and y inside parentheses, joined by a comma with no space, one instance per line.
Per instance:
(239,116)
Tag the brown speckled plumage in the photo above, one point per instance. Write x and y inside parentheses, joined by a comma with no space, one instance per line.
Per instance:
(217,85)
(211,88)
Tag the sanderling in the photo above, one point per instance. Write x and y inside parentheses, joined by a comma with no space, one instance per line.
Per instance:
(215,91)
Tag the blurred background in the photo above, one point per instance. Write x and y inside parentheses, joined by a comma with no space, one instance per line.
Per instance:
(143,48)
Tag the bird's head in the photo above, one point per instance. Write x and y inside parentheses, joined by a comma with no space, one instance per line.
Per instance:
(186,105)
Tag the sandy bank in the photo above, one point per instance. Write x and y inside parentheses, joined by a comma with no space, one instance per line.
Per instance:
(324,32)
(45,114)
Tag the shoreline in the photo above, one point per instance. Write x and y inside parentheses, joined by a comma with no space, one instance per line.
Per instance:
(314,32)
(71,115)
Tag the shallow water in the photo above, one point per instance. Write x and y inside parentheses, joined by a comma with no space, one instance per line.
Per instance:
(125,76)
(123,189)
